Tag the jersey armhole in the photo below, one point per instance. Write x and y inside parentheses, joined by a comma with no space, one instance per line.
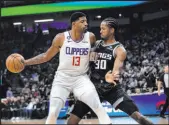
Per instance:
(97,43)
(114,50)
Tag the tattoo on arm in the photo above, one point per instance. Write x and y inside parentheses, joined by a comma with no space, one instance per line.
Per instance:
(36,60)
(49,54)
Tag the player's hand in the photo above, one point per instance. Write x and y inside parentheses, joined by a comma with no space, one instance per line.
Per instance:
(23,62)
(111,77)
(93,56)
(159,93)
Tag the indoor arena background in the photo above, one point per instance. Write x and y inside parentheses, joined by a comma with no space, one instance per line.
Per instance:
(143,31)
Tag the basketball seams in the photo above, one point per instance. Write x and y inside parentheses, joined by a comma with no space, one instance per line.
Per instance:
(15,56)
(19,61)
(14,61)
(17,65)
(14,64)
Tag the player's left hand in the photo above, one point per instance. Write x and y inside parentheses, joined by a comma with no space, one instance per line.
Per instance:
(112,77)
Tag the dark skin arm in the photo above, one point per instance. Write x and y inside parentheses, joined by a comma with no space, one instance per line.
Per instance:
(113,75)
(93,55)
(92,39)
(49,54)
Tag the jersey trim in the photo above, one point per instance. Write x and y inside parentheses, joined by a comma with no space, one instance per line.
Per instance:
(112,44)
(115,49)
(78,41)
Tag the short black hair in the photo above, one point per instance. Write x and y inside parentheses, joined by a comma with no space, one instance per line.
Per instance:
(75,16)
(112,23)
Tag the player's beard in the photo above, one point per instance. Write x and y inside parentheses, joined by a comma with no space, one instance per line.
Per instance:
(104,38)
(85,30)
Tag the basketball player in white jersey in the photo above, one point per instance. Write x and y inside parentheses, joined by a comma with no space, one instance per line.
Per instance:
(71,75)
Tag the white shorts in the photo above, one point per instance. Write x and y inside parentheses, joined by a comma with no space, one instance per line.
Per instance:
(64,84)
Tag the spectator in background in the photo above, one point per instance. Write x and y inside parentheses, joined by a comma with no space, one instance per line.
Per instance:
(164,80)
(26,90)
(150,78)
(29,108)
(4,108)
(9,93)
(23,105)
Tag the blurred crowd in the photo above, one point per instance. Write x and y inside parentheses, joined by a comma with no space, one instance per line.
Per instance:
(147,52)
(26,94)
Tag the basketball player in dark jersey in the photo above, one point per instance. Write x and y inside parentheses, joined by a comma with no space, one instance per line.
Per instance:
(111,55)
(164,81)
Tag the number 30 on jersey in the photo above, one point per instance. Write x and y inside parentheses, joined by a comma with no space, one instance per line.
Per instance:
(100,64)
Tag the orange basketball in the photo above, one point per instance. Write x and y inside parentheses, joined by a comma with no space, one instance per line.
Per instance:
(14,63)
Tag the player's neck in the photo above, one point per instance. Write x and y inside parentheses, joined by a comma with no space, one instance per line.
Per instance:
(109,41)
(76,35)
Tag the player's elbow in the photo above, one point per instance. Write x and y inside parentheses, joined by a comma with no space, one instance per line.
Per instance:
(46,57)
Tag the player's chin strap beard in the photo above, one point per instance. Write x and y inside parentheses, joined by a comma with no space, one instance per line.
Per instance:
(140,118)
(104,39)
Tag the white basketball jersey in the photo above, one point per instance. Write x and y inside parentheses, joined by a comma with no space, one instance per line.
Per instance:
(74,56)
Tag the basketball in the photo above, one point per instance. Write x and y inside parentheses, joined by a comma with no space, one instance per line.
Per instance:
(14,63)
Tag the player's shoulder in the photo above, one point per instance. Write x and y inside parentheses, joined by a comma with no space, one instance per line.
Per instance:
(92,38)
(59,36)
(118,43)
(91,34)
(119,47)
(98,43)
(58,39)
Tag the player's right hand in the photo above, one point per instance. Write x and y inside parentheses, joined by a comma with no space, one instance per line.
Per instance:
(111,77)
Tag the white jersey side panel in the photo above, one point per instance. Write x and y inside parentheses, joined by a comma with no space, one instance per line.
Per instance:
(74,56)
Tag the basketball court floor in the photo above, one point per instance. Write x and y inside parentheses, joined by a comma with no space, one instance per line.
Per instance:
(115,120)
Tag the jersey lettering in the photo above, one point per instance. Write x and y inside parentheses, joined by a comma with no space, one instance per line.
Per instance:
(105,56)
(77,51)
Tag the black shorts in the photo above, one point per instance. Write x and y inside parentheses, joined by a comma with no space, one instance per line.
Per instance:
(122,102)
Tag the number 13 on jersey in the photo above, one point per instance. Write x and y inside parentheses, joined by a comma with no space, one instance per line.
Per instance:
(76,61)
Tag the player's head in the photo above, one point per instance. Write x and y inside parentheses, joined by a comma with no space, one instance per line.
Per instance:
(78,21)
(108,27)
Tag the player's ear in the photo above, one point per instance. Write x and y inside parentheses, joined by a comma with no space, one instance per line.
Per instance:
(73,23)
(112,30)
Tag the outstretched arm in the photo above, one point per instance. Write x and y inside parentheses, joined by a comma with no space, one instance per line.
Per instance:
(49,54)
